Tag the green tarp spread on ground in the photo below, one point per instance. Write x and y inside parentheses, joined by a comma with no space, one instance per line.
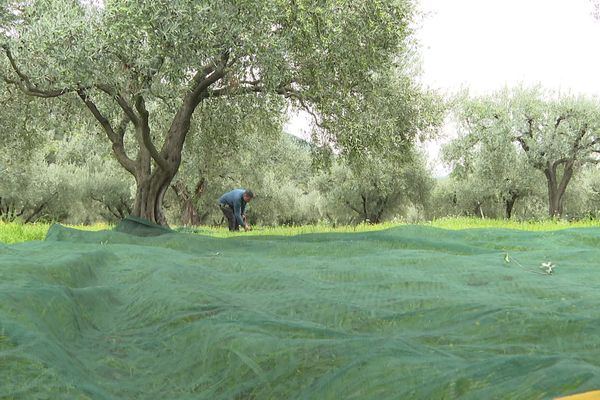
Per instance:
(408,313)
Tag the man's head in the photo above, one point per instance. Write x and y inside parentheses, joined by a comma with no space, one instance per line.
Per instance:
(248,195)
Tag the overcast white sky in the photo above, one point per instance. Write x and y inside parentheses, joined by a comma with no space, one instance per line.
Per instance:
(485,45)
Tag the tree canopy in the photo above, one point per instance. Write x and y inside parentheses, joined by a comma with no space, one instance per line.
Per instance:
(141,68)
(552,133)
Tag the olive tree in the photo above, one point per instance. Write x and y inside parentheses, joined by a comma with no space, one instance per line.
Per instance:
(555,134)
(376,190)
(487,168)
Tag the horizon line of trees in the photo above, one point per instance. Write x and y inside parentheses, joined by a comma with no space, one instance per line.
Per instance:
(155,108)
(66,177)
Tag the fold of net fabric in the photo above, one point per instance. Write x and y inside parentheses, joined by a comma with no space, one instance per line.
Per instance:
(411,312)
(141,227)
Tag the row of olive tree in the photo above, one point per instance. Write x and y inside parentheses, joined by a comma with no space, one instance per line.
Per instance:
(523,146)
(52,169)
(68,178)
(454,197)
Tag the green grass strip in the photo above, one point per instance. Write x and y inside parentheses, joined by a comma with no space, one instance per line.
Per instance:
(17,232)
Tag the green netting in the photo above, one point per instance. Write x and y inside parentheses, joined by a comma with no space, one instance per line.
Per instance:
(140,227)
(408,313)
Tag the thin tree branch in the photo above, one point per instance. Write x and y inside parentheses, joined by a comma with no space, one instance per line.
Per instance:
(120,101)
(306,108)
(180,190)
(577,145)
(40,208)
(593,143)
(104,122)
(121,129)
(202,82)
(202,74)
(199,188)
(255,87)
(116,139)
(566,177)
(353,208)
(24,82)
(144,127)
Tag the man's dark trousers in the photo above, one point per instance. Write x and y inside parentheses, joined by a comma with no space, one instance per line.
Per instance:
(228,213)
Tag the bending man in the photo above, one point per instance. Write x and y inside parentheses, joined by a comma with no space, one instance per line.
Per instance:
(233,205)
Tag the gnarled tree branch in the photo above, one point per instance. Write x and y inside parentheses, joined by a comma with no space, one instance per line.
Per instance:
(121,102)
(144,127)
(114,137)
(24,83)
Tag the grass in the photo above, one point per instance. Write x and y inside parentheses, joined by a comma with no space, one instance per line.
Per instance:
(451,223)
(543,225)
(12,232)
(290,230)
(18,232)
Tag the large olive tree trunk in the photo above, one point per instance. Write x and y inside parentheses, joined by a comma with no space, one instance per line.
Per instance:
(556,188)
(150,193)
(154,169)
